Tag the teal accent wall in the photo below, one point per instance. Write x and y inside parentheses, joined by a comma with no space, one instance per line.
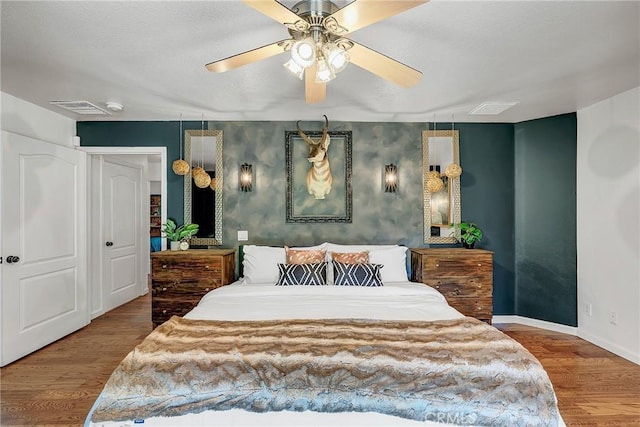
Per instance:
(488,187)
(545,219)
(487,191)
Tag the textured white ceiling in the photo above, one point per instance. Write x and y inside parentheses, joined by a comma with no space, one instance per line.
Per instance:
(552,57)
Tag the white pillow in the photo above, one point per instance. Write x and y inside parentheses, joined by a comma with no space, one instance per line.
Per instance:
(320,247)
(333,247)
(260,263)
(394,261)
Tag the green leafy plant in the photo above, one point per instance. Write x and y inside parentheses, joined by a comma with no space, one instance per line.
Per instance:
(175,234)
(470,233)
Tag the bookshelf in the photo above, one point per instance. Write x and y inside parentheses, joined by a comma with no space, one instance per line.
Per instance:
(154,215)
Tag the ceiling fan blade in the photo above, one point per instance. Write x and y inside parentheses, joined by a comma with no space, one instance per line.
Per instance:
(248,57)
(276,11)
(361,13)
(382,65)
(314,92)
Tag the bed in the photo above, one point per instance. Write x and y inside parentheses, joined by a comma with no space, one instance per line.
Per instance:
(343,343)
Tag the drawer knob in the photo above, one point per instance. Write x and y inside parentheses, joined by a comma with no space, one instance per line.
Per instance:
(164,311)
(164,289)
(206,266)
(479,265)
(164,265)
(479,286)
(206,289)
(437,265)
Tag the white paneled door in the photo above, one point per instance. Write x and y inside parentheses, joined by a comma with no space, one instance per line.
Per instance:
(121,227)
(43,287)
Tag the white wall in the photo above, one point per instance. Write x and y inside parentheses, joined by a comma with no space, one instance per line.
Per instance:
(22,117)
(155,187)
(608,223)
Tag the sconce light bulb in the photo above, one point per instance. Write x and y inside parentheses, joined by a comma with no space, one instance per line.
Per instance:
(390,178)
(246,177)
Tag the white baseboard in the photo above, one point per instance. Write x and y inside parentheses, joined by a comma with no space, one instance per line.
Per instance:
(96,313)
(609,346)
(570,330)
(542,324)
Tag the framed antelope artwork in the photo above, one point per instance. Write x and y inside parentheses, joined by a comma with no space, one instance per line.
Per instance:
(318,175)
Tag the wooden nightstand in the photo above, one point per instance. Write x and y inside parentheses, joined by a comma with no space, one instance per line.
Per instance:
(179,279)
(463,276)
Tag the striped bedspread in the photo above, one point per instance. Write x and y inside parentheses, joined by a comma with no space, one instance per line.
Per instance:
(463,371)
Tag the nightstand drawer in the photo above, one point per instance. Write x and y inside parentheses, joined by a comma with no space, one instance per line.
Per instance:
(467,287)
(480,308)
(160,289)
(192,270)
(170,304)
(456,266)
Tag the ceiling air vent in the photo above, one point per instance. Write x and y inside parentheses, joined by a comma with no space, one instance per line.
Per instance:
(491,108)
(84,108)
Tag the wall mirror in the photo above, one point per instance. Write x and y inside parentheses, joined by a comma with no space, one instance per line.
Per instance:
(440,149)
(203,206)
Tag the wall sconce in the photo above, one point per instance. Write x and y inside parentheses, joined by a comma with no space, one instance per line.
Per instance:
(390,178)
(246,177)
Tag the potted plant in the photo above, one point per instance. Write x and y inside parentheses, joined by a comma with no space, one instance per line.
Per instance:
(470,233)
(176,234)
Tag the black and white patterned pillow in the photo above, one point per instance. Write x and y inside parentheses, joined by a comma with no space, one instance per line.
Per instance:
(356,274)
(302,274)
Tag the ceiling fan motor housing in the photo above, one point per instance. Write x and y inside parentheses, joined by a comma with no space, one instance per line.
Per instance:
(313,12)
(319,8)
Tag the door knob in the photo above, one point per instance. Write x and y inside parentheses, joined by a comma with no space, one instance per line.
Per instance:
(12,258)
(109,243)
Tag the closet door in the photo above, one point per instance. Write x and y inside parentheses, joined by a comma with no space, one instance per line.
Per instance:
(43,285)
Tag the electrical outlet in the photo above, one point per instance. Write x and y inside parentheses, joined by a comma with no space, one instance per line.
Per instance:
(243,235)
(613,319)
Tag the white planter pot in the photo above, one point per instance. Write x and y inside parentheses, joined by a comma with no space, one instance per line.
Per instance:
(174,246)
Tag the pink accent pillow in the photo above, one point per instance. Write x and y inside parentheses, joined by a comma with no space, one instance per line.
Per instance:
(351,257)
(296,256)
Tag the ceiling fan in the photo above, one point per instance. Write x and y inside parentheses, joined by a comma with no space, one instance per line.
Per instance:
(318,47)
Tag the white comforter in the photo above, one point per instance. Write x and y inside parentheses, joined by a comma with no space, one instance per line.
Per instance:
(393,301)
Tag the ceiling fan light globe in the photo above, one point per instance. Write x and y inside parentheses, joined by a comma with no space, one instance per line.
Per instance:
(295,69)
(337,58)
(324,72)
(303,52)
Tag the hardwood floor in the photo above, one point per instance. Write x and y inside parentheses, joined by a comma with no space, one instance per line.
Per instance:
(58,384)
